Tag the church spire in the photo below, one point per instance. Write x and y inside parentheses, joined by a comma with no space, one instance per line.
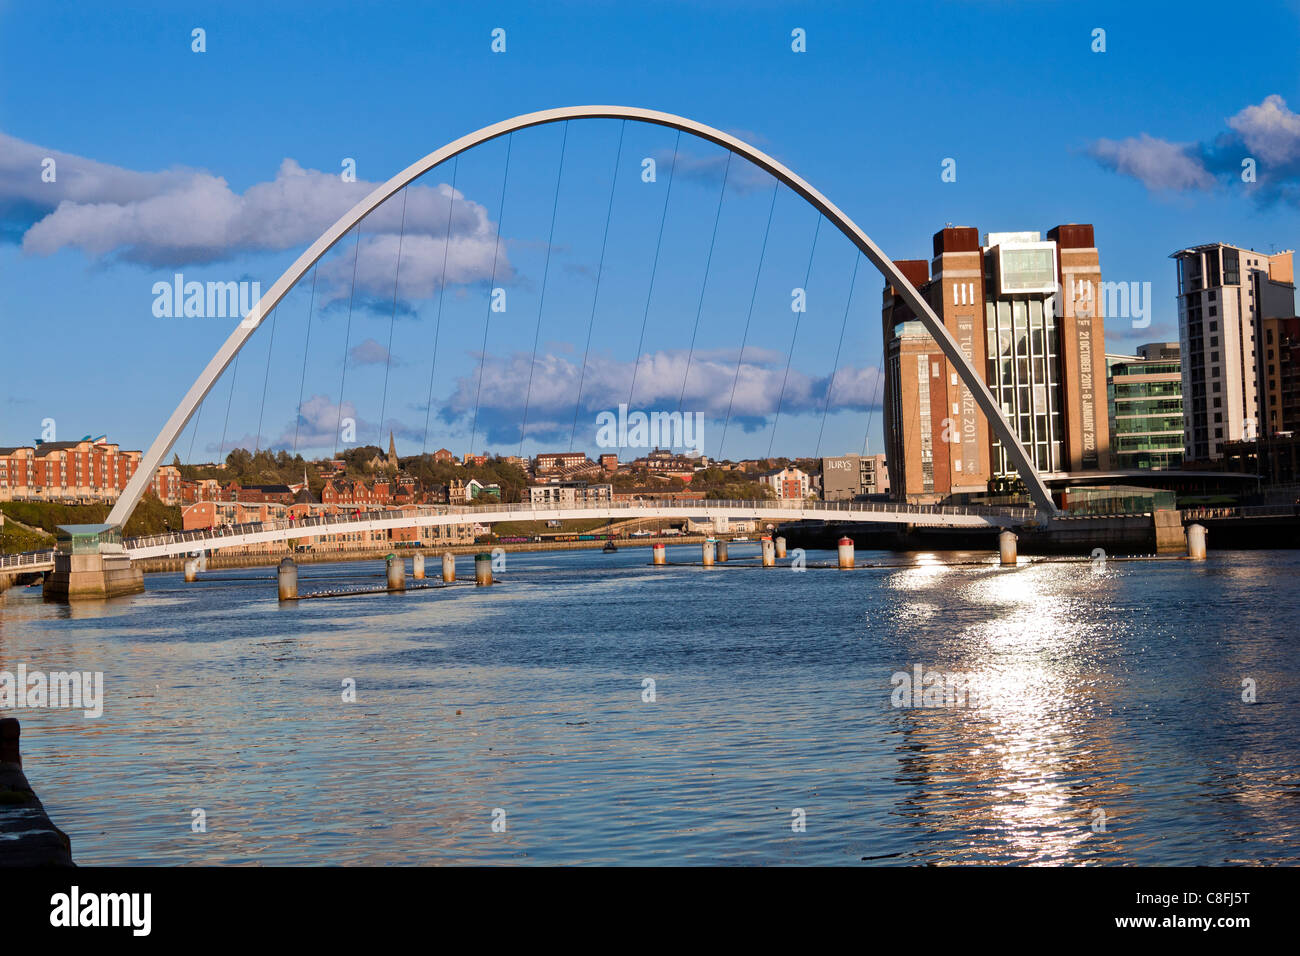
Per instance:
(392,451)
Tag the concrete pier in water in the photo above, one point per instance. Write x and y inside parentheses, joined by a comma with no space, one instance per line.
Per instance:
(91,577)
(482,569)
(721,551)
(780,547)
(769,553)
(708,552)
(1007,547)
(448,568)
(395,569)
(660,554)
(844,551)
(288,580)
(1196,535)
(417,566)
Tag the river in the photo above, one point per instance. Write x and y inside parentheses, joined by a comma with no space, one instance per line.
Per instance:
(1110,725)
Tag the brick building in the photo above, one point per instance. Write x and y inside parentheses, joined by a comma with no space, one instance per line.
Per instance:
(75,471)
(1028,314)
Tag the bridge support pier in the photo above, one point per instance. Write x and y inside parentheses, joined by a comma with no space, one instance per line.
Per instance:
(660,554)
(288,580)
(769,553)
(1007,547)
(448,567)
(91,577)
(780,547)
(1196,535)
(417,566)
(395,568)
(1169,533)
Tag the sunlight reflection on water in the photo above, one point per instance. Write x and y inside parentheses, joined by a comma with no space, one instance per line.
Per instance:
(1114,692)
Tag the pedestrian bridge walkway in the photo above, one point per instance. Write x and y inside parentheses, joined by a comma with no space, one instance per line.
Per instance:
(935,516)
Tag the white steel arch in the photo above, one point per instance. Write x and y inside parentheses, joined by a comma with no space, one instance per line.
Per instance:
(143,476)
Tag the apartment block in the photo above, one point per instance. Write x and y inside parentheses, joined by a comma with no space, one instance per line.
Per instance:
(73,471)
(1279,376)
(1225,293)
(788,482)
(1144,395)
(568,494)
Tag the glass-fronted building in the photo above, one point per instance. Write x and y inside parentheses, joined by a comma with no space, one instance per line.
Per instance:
(1144,398)
(1024,376)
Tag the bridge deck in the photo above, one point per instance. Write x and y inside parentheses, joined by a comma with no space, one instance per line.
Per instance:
(182,542)
(942,516)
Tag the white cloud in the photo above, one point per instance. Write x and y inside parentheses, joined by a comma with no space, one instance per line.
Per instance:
(658,385)
(186,216)
(1267,132)
(1156,163)
(1270,130)
(318,425)
(369,352)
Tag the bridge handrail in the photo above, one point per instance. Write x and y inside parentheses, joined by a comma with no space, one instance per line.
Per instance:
(24,558)
(528,507)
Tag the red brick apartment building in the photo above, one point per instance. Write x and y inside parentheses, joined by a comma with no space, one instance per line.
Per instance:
(74,471)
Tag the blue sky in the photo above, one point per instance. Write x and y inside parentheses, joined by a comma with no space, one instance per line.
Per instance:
(224,165)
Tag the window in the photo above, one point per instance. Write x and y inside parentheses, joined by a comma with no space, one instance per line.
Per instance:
(1231,267)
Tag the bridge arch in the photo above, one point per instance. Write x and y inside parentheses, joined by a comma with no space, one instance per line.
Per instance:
(167,437)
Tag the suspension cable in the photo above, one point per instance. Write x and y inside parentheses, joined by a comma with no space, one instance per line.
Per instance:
(830,386)
(347,340)
(871,409)
(780,401)
(600,268)
(234,373)
(195,433)
(654,268)
(442,284)
(541,299)
(487,320)
(257,439)
(392,319)
(704,285)
(753,295)
(305,347)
